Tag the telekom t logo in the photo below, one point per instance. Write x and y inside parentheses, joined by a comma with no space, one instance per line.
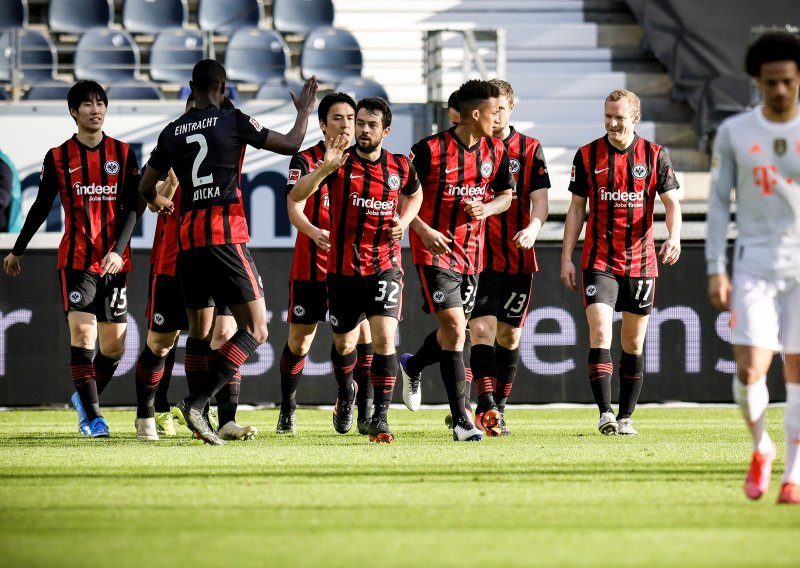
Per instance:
(764,177)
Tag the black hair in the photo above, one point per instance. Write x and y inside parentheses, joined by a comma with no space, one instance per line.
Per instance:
(376,104)
(83,91)
(452,102)
(770,47)
(474,92)
(207,73)
(331,99)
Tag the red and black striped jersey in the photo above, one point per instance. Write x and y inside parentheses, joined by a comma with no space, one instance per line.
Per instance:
(164,255)
(527,165)
(97,186)
(309,261)
(621,187)
(451,175)
(206,148)
(364,197)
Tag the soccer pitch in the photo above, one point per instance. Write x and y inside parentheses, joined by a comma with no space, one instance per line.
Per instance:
(556,493)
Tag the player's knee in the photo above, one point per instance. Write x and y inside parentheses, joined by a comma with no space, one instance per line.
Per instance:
(453,334)
(260,333)
(114,351)
(345,343)
(599,338)
(481,333)
(508,337)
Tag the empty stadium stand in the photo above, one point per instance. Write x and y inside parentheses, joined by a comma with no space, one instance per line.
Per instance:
(153,16)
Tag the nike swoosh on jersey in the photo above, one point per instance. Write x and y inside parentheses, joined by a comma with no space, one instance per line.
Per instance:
(356,177)
(600,171)
(75,169)
(451,170)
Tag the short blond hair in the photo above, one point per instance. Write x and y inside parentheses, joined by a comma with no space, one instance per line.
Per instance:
(630,96)
(504,87)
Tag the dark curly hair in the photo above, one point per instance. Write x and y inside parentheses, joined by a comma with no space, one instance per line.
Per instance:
(770,47)
(472,93)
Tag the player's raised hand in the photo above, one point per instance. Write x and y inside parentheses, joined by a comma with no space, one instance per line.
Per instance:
(304,102)
(396,229)
(670,251)
(435,242)
(719,291)
(568,275)
(524,239)
(11,265)
(322,238)
(335,155)
(112,264)
(476,210)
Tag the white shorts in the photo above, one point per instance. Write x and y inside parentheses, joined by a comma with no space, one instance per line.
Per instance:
(766,313)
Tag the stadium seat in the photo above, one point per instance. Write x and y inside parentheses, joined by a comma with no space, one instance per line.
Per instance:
(331,55)
(39,57)
(134,90)
(13,14)
(255,55)
(278,89)
(291,16)
(224,16)
(106,56)
(77,16)
(230,92)
(360,88)
(48,91)
(3,95)
(153,16)
(173,54)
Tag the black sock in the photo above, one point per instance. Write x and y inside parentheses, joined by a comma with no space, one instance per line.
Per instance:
(161,402)
(228,399)
(226,363)
(382,375)
(196,361)
(343,366)
(427,355)
(466,354)
(507,361)
(361,375)
(454,379)
(82,371)
(631,372)
(485,369)
(149,370)
(104,368)
(291,368)
(600,370)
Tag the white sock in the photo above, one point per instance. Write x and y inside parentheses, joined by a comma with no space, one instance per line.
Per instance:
(791,426)
(753,399)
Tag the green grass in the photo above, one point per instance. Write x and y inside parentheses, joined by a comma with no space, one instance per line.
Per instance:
(556,493)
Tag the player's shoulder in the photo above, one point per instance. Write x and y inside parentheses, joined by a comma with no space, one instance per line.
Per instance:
(530,141)
(312,152)
(655,147)
(433,138)
(400,159)
(742,120)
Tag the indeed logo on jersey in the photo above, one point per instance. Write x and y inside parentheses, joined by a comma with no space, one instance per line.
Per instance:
(96,192)
(622,198)
(373,206)
(466,192)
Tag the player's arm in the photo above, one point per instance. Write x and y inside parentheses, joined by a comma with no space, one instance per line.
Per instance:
(723,180)
(129,215)
(298,218)
(576,215)
(409,204)
(334,158)
(167,187)
(501,185)
(290,142)
(434,241)
(526,238)
(667,184)
(48,189)
(158,164)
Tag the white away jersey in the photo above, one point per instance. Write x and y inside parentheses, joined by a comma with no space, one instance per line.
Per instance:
(761,160)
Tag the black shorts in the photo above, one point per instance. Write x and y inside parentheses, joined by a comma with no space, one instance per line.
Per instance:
(165,310)
(308,301)
(218,274)
(623,293)
(443,289)
(503,296)
(351,298)
(104,296)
